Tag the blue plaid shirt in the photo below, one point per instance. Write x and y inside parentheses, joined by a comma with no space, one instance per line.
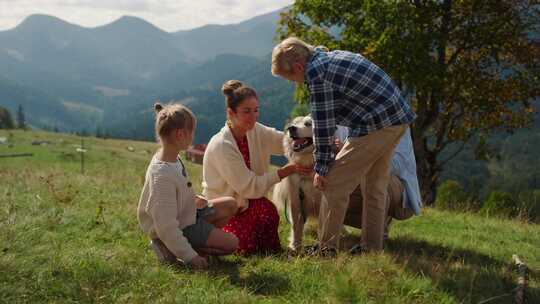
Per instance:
(349,90)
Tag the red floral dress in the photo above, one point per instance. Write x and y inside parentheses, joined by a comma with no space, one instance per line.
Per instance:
(256,227)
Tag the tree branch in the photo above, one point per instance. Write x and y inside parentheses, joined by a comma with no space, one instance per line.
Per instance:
(450,126)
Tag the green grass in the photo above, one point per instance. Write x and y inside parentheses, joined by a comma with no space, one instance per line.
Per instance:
(67,237)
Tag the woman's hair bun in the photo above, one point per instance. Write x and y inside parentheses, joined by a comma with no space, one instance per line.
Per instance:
(158,107)
(229,86)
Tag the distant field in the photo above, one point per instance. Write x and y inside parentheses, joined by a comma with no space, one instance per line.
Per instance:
(67,237)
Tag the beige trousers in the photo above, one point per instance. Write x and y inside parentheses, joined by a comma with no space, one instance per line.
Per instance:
(394,201)
(362,162)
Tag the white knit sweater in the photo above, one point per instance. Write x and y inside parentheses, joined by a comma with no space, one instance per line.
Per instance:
(166,206)
(224,170)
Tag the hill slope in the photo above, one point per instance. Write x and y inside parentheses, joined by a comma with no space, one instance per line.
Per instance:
(69,237)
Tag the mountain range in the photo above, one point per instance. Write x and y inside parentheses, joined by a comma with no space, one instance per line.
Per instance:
(75,78)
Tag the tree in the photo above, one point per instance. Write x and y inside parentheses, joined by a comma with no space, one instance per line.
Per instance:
(302,106)
(470,68)
(6,121)
(21,120)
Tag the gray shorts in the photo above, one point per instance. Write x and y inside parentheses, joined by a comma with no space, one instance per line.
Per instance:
(198,233)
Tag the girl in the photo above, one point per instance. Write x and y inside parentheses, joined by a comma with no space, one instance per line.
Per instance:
(168,209)
(236,163)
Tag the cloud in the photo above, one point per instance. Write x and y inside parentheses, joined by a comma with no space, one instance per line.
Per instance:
(123,5)
(170,15)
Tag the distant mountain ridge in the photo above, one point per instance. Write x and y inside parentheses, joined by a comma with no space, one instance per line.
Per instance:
(253,37)
(121,64)
(128,49)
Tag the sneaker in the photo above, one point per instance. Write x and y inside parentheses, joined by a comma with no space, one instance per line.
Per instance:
(311,250)
(357,250)
(328,252)
(163,254)
(317,251)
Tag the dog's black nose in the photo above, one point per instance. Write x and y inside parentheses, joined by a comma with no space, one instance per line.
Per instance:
(292,129)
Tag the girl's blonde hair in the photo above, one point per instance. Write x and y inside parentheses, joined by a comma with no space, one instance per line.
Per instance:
(289,51)
(173,116)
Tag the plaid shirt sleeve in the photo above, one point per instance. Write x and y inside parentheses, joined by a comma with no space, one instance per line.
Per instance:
(322,99)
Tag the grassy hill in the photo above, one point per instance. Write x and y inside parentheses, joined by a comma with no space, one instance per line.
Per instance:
(72,237)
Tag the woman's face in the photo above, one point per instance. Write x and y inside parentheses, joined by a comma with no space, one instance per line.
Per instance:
(247,114)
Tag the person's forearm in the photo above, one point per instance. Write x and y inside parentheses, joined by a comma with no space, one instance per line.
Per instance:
(285,171)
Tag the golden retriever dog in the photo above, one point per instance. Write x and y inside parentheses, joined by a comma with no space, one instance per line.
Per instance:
(296,194)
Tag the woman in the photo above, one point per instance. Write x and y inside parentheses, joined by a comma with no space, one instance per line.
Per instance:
(236,163)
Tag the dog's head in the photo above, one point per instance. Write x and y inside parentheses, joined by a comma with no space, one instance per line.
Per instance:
(299,135)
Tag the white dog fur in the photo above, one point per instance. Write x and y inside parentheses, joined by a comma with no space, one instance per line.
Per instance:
(298,147)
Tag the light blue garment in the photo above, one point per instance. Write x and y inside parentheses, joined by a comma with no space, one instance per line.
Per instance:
(403,165)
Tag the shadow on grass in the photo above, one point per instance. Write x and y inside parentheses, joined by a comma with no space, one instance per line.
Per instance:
(470,276)
(256,281)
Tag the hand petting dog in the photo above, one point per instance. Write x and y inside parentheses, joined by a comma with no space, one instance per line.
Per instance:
(294,168)
(319,182)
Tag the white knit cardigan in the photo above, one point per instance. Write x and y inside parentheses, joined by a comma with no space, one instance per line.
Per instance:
(166,206)
(224,170)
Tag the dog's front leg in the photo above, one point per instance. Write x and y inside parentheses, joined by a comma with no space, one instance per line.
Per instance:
(297,219)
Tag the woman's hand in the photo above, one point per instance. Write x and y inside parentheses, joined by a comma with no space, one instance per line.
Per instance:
(289,169)
(199,262)
(200,202)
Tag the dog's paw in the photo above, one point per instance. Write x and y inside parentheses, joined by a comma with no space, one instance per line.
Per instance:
(294,250)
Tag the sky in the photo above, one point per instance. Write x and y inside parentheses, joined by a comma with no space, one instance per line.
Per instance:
(169,15)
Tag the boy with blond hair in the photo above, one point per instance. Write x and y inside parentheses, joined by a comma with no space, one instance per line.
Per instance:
(347,89)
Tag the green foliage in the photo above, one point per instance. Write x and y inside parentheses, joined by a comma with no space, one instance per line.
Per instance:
(525,205)
(300,109)
(301,94)
(451,196)
(6,121)
(513,168)
(500,203)
(530,205)
(516,169)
